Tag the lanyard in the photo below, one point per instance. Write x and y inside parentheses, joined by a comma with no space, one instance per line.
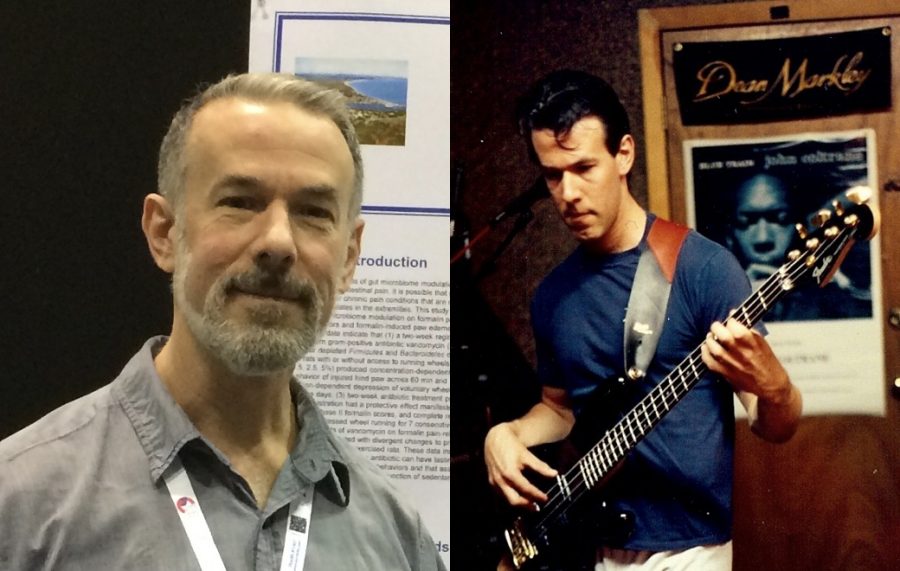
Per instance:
(188,507)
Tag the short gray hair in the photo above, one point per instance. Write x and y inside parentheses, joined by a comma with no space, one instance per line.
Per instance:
(259,87)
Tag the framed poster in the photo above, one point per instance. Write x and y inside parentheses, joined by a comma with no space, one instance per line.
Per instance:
(748,194)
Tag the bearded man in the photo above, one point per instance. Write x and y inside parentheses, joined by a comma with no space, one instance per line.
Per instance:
(206,452)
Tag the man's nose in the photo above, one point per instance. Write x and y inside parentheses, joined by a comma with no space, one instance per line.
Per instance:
(567,189)
(276,249)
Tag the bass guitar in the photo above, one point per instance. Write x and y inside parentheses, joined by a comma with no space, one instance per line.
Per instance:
(824,242)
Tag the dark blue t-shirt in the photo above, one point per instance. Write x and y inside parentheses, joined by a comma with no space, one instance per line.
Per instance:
(677,481)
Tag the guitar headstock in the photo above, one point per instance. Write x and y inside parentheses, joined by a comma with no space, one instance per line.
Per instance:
(830,232)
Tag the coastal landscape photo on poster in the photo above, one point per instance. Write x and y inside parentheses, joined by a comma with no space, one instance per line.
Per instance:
(375,90)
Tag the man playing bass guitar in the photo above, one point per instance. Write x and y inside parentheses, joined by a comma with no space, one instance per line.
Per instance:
(677,481)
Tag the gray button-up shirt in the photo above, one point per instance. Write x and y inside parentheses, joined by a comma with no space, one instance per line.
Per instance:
(83,489)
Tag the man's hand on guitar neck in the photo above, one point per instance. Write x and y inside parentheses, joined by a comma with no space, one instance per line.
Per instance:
(506,447)
(506,457)
(746,360)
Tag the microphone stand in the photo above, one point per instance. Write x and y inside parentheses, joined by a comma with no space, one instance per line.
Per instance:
(522,220)
(476,375)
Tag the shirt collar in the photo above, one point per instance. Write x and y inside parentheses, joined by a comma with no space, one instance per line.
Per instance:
(163,428)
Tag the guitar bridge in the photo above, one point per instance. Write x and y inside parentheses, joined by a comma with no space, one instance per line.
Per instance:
(522,548)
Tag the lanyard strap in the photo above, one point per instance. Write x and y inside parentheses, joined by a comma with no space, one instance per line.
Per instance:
(186,504)
(296,537)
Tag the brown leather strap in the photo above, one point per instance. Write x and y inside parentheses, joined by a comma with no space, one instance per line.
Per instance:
(665,239)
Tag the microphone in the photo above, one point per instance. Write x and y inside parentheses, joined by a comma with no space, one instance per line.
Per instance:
(537,191)
(520,204)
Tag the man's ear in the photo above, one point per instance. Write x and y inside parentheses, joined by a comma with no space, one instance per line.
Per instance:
(158,222)
(625,156)
(354,247)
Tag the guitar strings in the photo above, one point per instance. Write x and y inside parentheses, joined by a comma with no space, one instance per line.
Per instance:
(758,304)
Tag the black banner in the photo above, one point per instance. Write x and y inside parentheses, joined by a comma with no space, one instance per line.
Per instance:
(783,78)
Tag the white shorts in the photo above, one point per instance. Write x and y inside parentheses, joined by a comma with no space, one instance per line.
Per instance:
(700,558)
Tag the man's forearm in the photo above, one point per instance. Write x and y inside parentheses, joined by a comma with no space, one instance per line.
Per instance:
(776,418)
(542,424)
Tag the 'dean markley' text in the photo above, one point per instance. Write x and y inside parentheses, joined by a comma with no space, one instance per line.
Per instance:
(719,78)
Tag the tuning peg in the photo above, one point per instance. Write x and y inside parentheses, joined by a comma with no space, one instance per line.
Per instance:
(838,207)
(801,231)
(793,255)
(851,220)
(859,194)
(812,243)
(831,231)
(821,217)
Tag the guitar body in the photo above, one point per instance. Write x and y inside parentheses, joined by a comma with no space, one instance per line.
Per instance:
(570,544)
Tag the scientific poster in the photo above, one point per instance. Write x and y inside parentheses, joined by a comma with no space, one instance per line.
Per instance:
(748,195)
(382,371)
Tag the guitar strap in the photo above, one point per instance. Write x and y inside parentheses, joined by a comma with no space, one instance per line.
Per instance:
(646,312)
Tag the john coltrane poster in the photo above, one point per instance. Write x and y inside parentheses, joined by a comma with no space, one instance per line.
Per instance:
(748,194)
(783,78)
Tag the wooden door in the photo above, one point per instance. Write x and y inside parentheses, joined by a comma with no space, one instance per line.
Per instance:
(830,498)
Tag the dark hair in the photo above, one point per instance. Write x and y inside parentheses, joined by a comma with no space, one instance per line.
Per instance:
(561,98)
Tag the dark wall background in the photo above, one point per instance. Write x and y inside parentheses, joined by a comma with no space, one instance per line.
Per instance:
(87,91)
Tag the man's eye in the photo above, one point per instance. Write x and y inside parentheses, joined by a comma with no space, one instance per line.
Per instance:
(240,202)
(552,176)
(318,212)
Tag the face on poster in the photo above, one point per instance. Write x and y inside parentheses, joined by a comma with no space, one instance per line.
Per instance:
(748,195)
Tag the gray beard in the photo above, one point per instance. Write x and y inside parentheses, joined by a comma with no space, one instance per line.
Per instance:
(262,346)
